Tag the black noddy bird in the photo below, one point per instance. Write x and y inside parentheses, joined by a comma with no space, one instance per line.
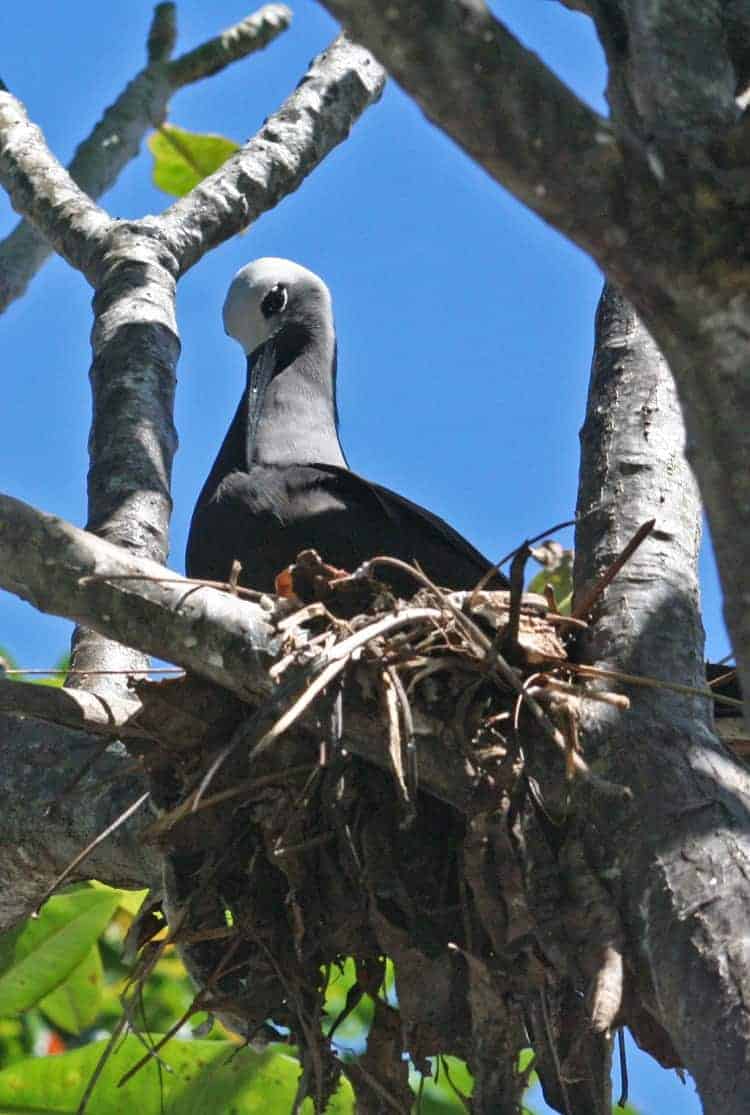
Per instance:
(281,483)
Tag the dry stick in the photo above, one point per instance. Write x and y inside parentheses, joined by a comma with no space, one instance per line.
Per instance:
(624,1084)
(529,542)
(72,673)
(412,759)
(338,657)
(584,606)
(517,567)
(197,582)
(730,675)
(90,848)
(648,682)
(120,1025)
(552,685)
(509,676)
(390,700)
(168,820)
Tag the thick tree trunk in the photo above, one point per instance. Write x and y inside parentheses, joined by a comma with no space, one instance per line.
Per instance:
(675,859)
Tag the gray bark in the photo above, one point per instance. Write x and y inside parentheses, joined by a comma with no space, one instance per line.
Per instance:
(677,860)
(47,820)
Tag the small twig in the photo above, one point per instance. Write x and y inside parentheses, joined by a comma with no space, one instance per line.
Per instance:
(90,848)
(486,577)
(295,711)
(554,685)
(304,845)
(197,582)
(590,596)
(168,820)
(509,676)
(97,673)
(120,1025)
(390,700)
(624,1083)
(730,675)
(518,565)
(648,682)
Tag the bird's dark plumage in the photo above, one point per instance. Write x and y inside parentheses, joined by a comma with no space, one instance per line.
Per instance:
(280,483)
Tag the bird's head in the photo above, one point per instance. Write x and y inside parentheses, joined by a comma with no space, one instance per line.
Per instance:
(271,295)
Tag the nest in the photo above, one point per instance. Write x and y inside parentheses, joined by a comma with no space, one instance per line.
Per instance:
(404,794)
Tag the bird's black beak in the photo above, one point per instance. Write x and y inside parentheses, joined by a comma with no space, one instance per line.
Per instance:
(261,364)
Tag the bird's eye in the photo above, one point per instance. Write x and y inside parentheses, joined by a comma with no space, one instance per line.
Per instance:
(275,301)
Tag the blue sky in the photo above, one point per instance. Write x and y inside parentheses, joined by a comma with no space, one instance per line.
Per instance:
(464,323)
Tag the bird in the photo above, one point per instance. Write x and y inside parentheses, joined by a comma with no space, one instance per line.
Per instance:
(281,483)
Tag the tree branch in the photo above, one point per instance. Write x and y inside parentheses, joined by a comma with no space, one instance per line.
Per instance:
(42,190)
(72,708)
(250,34)
(60,789)
(499,102)
(43,558)
(676,862)
(116,139)
(339,85)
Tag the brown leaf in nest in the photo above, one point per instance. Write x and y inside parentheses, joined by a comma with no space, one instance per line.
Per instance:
(308,577)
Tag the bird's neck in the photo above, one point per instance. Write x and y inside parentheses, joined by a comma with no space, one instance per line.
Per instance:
(298,421)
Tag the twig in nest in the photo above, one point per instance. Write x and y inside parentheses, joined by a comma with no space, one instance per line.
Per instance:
(486,577)
(649,682)
(549,686)
(518,565)
(168,820)
(395,748)
(509,676)
(583,606)
(89,849)
(624,1083)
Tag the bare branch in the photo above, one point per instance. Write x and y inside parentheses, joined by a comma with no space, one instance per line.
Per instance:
(500,103)
(245,37)
(162,34)
(74,708)
(42,190)
(116,139)
(339,85)
(42,559)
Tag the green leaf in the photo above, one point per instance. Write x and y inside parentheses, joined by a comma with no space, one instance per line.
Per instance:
(250,1082)
(128,900)
(182,159)
(561,580)
(74,1005)
(195,1077)
(38,956)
